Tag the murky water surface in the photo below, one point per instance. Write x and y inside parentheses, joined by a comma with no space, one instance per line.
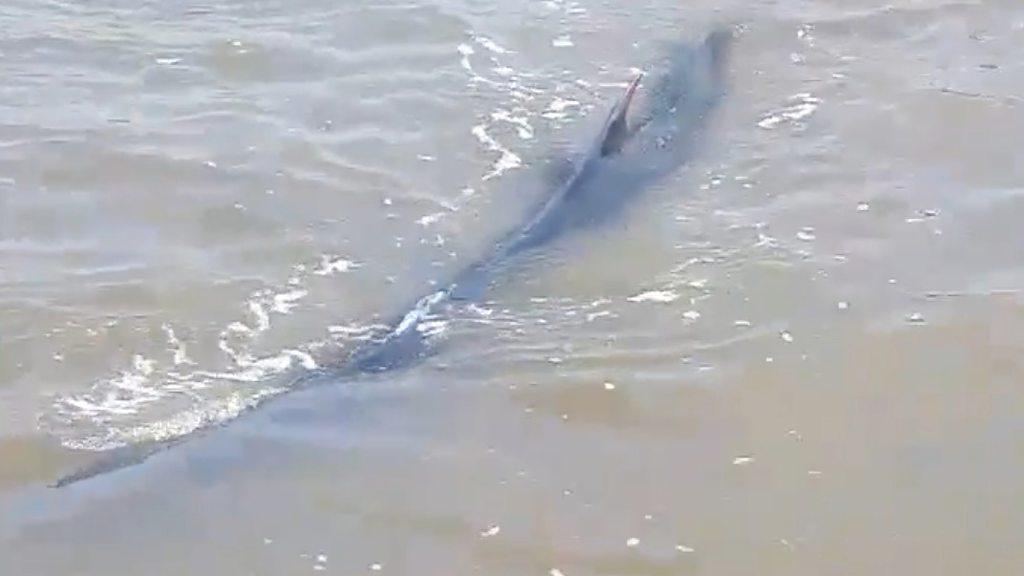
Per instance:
(801,354)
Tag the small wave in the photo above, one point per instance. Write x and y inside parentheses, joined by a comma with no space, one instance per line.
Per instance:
(558,108)
(176,346)
(507,161)
(491,45)
(357,332)
(563,41)
(659,296)
(260,314)
(802,106)
(330,265)
(284,302)
(465,51)
(519,120)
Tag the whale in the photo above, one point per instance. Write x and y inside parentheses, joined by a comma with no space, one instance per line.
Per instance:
(648,134)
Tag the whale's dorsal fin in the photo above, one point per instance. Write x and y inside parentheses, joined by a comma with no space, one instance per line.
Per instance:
(617,129)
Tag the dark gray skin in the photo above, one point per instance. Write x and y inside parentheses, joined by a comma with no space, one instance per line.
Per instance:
(627,157)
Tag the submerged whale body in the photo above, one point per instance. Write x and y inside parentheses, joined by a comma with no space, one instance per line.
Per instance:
(639,144)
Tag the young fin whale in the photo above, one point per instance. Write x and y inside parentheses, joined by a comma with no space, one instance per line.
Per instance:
(639,144)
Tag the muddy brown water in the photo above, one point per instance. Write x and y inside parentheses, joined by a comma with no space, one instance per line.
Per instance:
(802,354)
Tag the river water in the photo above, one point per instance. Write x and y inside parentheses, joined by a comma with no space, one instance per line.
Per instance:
(802,354)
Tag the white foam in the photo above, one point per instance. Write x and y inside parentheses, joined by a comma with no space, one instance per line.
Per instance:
(110,411)
(110,404)
(480,310)
(142,365)
(254,370)
(430,219)
(432,327)
(575,9)
(117,402)
(185,422)
(330,265)
(557,108)
(806,234)
(803,105)
(123,395)
(465,51)
(239,328)
(421,311)
(561,104)
(523,127)
(684,548)
(304,359)
(177,347)
(659,296)
(491,45)
(505,162)
(563,41)
(358,332)
(284,302)
(260,315)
